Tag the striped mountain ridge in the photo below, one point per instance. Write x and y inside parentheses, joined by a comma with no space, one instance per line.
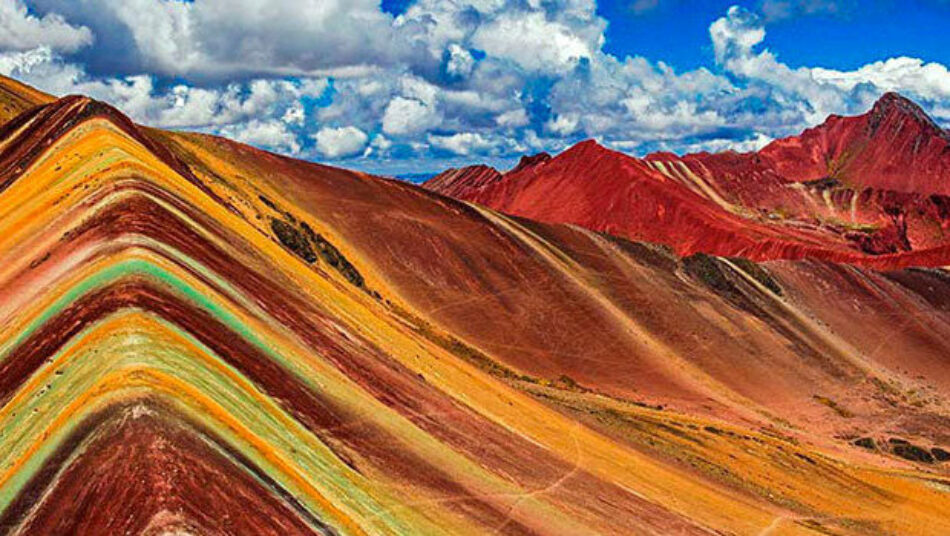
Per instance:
(200,337)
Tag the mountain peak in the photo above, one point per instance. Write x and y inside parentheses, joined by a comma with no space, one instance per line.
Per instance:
(893,105)
(40,126)
(531,161)
(456,182)
(893,98)
(590,143)
(589,148)
(894,146)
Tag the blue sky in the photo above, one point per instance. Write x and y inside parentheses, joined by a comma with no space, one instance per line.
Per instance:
(413,86)
(838,35)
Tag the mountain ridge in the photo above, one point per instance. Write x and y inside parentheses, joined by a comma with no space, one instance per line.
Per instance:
(829,193)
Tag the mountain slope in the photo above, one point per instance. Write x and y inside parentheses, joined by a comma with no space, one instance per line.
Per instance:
(198,336)
(16,98)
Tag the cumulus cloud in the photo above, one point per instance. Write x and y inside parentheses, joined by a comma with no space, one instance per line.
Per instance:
(340,142)
(753,143)
(18,63)
(177,106)
(815,92)
(475,79)
(463,143)
(460,61)
(512,118)
(20,30)
(267,133)
(223,38)
(929,81)
(405,117)
(533,42)
(563,125)
(261,112)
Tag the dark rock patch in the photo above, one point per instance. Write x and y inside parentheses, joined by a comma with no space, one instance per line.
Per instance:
(705,268)
(267,202)
(293,240)
(806,458)
(758,273)
(334,258)
(909,451)
(311,246)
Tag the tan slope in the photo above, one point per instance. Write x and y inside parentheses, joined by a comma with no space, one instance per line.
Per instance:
(16,98)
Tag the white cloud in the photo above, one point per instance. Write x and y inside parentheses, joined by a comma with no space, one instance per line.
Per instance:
(20,30)
(533,42)
(512,118)
(270,134)
(340,142)
(813,91)
(460,61)
(405,117)
(754,143)
(180,106)
(734,35)
(17,63)
(294,115)
(562,125)
(379,146)
(381,143)
(463,143)
(420,90)
(218,38)
(541,80)
(927,80)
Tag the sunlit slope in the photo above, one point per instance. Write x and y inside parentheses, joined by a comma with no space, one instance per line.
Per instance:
(196,336)
(16,98)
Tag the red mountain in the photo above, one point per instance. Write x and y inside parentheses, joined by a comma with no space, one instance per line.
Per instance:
(870,190)
(895,146)
(459,182)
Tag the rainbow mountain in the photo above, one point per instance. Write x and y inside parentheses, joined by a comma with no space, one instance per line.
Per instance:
(198,337)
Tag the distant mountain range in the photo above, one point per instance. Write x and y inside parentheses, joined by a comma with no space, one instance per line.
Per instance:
(872,190)
(416,178)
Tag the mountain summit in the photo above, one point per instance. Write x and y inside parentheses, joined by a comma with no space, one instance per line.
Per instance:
(894,146)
